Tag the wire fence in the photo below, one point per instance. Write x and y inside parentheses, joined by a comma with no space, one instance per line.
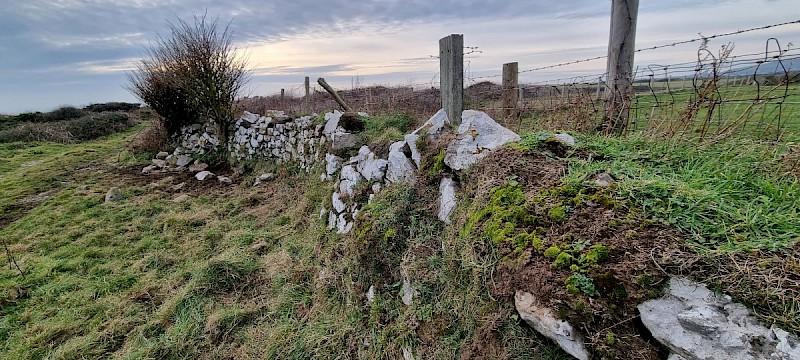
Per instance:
(714,94)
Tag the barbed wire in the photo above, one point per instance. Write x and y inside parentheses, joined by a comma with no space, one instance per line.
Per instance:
(673,44)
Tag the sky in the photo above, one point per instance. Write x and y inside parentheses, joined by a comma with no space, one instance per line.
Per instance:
(77,52)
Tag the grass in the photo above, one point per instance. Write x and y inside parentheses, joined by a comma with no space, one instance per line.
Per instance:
(145,277)
(726,196)
(251,272)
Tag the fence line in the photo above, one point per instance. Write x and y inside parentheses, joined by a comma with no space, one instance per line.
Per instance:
(716,95)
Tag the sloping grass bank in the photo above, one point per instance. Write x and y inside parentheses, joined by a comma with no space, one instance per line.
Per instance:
(251,272)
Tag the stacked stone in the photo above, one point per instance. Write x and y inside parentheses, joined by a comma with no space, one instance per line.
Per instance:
(277,137)
(199,138)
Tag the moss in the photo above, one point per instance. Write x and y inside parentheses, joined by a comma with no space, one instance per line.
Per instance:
(437,165)
(563,261)
(557,213)
(611,338)
(595,255)
(552,252)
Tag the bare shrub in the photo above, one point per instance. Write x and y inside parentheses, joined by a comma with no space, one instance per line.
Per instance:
(192,76)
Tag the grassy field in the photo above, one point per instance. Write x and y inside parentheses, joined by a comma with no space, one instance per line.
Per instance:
(250,272)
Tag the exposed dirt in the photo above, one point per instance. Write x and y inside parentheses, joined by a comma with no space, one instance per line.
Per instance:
(629,276)
(166,181)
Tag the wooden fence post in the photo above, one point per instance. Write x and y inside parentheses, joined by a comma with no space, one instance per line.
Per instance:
(510,89)
(335,96)
(451,76)
(619,81)
(282,97)
(307,99)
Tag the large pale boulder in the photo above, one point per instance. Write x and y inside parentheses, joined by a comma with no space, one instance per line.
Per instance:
(478,135)
(369,166)
(331,122)
(544,321)
(411,140)
(400,168)
(434,127)
(695,323)
(332,164)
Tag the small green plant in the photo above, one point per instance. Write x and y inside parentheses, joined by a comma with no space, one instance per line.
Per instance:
(579,283)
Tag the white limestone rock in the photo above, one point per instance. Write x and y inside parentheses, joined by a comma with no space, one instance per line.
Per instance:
(447,198)
(399,168)
(546,323)
(183,160)
(331,122)
(203,175)
(249,117)
(434,127)
(337,202)
(478,135)
(695,323)
(416,156)
(113,194)
(369,166)
(332,163)
(564,139)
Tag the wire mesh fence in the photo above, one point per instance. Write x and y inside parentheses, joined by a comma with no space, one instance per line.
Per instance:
(714,94)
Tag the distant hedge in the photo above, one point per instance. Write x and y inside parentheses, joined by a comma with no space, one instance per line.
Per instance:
(68,131)
(112,106)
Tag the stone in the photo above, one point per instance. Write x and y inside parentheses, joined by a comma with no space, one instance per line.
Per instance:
(478,135)
(369,166)
(350,173)
(259,247)
(331,220)
(198,167)
(204,175)
(160,163)
(603,180)
(371,294)
(434,127)
(149,169)
(408,292)
(346,187)
(416,156)
(224,180)
(399,169)
(447,198)
(544,321)
(264,178)
(376,188)
(337,202)
(408,354)
(162,155)
(181,198)
(564,139)
(331,122)
(183,160)
(249,117)
(344,141)
(114,194)
(332,163)
(178,187)
(695,323)
(342,225)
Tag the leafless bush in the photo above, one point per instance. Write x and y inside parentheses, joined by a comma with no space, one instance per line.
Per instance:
(193,76)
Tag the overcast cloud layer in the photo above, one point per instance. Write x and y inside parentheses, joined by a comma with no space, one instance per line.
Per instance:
(55,52)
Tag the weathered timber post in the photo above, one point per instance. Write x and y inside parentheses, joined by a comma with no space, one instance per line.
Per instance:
(307,99)
(510,89)
(451,76)
(282,97)
(333,93)
(619,81)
